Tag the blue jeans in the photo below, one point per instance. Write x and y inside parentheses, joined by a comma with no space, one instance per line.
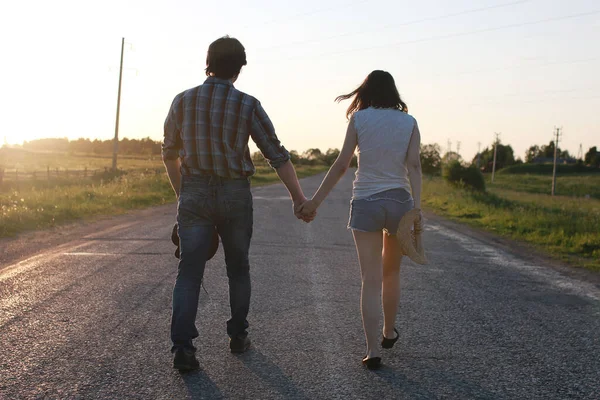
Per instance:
(206,202)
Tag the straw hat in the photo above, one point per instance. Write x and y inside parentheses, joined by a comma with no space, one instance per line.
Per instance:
(409,236)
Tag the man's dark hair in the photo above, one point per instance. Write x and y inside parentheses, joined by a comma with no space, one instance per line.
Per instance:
(225,58)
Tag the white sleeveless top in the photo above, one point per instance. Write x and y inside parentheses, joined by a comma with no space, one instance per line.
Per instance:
(383,139)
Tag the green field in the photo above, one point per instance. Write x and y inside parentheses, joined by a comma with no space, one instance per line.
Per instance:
(579,185)
(41,203)
(567,227)
(28,161)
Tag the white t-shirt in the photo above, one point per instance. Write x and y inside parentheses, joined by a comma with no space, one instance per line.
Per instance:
(383,137)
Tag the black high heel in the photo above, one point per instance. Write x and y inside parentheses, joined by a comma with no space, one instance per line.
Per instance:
(389,343)
(372,363)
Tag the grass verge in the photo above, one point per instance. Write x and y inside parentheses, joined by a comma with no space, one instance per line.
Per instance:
(580,185)
(567,228)
(33,207)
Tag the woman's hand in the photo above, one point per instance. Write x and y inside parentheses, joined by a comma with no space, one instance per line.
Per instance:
(308,208)
(306,218)
(419,223)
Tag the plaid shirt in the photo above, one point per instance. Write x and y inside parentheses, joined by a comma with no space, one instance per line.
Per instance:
(209,126)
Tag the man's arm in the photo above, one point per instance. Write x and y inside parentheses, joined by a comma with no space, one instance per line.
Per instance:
(263,134)
(288,176)
(172,144)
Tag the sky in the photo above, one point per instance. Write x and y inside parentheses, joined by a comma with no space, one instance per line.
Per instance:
(466,69)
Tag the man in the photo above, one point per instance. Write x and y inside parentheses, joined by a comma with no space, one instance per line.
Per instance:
(205,151)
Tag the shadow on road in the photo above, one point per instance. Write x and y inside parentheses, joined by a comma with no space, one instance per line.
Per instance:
(272,375)
(451,383)
(200,386)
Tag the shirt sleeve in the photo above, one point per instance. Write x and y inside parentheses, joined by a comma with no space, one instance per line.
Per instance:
(172,142)
(263,134)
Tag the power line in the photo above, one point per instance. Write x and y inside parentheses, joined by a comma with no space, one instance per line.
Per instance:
(544,100)
(550,92)
(472,72)
(492,100)
(451,36)
(390,26)
(305,14)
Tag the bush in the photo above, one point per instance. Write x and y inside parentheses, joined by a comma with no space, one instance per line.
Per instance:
(469,177)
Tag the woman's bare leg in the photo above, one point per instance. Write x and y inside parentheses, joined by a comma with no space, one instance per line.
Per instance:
(369,246)
(390,289)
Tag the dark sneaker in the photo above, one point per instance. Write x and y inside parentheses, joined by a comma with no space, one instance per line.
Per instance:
(185,360)
(239,345)
(389,343)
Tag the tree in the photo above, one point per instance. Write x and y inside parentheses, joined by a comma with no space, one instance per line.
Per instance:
(431,160)
(451,157)
(592,157)
(258,159)
(564,155)
(548,151)
(505,156)
(330,156)
(294,157)
(532,153)
(457,174)
(312,154)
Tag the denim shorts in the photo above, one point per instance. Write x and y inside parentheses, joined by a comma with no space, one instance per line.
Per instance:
(381,211)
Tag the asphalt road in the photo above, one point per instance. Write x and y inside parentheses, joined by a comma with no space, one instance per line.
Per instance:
(89,319)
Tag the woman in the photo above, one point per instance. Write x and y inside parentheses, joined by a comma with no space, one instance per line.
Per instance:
(389,170)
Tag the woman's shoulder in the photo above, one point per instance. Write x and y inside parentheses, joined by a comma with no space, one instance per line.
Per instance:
(395,114)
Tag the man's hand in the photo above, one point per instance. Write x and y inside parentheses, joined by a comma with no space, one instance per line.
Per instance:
(308,209)
(306,218)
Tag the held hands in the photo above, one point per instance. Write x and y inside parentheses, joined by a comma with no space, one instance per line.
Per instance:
(306,217)
(306,211)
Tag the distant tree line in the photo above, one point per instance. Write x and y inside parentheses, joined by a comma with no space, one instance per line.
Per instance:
(144,146)
(151,147)
(432,160)
(546,152)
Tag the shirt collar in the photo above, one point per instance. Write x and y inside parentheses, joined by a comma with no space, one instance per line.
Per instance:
(215,80)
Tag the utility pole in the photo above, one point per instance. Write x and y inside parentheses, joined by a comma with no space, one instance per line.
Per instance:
(495,153)
(458,147)
(478,154)
(580,153)
(558,134)
(116,140)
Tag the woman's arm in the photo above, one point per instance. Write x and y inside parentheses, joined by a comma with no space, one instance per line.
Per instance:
(413,164)
(337,170)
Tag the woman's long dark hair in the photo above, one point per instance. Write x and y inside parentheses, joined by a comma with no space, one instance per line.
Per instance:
(378,90)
